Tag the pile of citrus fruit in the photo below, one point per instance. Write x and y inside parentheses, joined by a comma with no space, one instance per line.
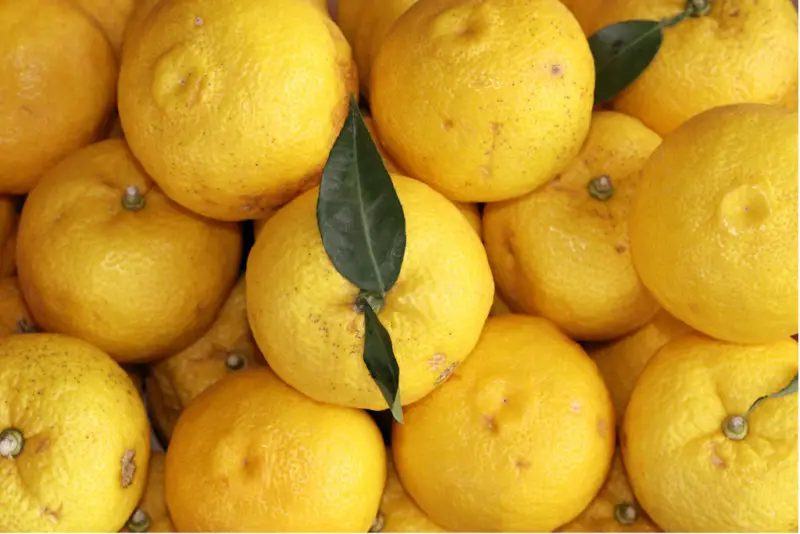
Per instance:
(398,265)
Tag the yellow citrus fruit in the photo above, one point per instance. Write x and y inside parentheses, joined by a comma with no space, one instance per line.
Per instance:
(252,454)
(688,475)
(8,236)
(111,15)
(585,11)
(74,438)
(562,251)
(57,80)
(398,511)
(623,360)
(433,314)
(227,347)
(152,515)
(138,281)
(742,51)
(484,101)
(258,224)
(15,318)
(233,111)
(365,25)
(713,224)
(614,509)
(520,438)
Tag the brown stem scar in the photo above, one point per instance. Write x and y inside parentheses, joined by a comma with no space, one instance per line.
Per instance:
(128,467)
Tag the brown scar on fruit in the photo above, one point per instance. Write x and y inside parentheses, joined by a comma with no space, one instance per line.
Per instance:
(620,249)
(556,70)
(602,427)
(446,374)
(53,515)
(437,361)
(43,446)
(521,464)
(715,459)
(128,467)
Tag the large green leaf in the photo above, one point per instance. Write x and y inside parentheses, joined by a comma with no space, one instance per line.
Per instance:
(358,212)
(380,360)
(622,51)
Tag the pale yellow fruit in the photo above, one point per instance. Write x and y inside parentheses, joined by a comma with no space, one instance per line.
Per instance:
(251,454)
(111,15)
(614,509)
(520,438)
(562,251)
(622,361)
(484,101)
(303,314)
(57,81)
(139,281)
(398,511)
(714,223)
(365,24)
(742,51)
(233,111)
(83,433)
(227,347)
(686,473)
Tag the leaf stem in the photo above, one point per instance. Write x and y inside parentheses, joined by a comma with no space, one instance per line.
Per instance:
(790,388)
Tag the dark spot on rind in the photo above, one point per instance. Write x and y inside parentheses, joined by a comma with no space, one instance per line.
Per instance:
(128,467)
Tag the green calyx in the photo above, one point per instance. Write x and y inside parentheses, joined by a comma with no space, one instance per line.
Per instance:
(625,514)
(698,8)
(139,521)
(133,199)
(11,443)
(735,427)
(601,188)
(235,361)
(373,300)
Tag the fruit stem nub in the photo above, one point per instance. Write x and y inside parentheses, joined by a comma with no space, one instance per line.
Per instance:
(133,199)
(735,427)
(367,298)
(625,513)
(234,361)
(11,442)
(600,187)
(139,521)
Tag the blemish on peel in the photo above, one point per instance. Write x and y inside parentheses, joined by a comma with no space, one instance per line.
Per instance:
(128,467)
(198,21)
(575,407)
(446,374)
(437,361)
(602,427)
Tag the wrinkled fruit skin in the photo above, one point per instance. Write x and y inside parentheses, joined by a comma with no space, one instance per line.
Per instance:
(303,315)
(157,276)
(250,441)
(476,128)
(676,411)
(713,223)
(199,107)
(535,434)
(87,440)
(743,51)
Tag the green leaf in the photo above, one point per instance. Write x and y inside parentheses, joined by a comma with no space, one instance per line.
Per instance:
(790,388)
(622,51)
(358,212)
(380,360)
